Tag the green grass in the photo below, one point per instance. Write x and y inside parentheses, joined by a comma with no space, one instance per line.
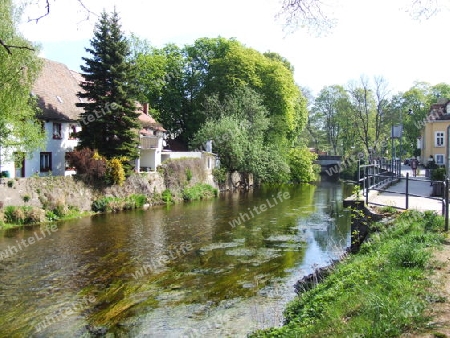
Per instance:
(380,292)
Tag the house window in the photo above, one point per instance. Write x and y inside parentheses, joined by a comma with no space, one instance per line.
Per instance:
(439,139)
(46,162)
(57,131)
(72,132)
(439,159)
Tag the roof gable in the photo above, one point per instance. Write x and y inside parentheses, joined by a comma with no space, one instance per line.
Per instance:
(56,89)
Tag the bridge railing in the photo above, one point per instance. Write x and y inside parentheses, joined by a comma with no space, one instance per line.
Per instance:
(379,177)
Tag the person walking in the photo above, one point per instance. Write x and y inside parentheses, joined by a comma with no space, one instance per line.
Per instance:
(414,167)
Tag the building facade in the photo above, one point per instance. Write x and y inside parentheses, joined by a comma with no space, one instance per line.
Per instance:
(434,137)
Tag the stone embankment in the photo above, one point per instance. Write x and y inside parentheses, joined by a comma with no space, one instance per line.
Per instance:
(48,192)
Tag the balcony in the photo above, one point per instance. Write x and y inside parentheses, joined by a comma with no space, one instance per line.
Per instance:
(149,142)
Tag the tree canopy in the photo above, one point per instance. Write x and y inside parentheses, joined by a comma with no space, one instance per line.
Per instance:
(176,81)
(109,122)
(20,131)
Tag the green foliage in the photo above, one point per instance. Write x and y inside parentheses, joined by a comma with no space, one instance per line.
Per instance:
(177,80)
(19,127)
(438,174)
(23,215)
(115,204)
(379,292)
(109,121)
(188,174)
(238,126)
(301,164)
(199,191)
(167,196)
(220,175)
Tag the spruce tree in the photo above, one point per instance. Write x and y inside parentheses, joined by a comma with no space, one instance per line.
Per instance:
(109,122)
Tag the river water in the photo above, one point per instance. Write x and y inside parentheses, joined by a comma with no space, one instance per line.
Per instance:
(217,268)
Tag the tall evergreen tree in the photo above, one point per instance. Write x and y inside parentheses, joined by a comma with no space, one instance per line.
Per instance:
(109,122)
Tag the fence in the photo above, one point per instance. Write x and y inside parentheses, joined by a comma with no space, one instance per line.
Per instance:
(380,176)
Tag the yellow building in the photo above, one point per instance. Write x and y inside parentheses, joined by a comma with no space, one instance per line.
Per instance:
(433,141)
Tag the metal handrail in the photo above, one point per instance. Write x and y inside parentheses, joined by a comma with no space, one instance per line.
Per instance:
(371,181)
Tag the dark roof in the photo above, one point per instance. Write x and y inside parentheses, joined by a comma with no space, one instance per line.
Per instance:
(56,89)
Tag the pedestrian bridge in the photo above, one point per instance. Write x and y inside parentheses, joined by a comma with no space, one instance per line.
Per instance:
(327,162)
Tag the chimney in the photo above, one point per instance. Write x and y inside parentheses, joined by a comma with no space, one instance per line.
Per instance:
(145,108)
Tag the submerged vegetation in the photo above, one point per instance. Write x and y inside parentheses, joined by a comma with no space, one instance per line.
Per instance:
(380,292)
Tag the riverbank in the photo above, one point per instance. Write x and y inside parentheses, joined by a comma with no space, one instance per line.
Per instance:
(388,289)
(37,200)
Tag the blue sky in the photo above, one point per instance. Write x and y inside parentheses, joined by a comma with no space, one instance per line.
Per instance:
(373,38)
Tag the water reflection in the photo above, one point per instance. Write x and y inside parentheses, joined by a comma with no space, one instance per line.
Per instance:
(169,270)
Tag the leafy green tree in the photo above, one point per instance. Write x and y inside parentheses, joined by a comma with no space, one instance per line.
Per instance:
(218,66)
(327,110)
(20,130)
(109,122)
(301,164)
(237,125)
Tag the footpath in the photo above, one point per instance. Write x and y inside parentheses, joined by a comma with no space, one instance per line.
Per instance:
(416,186)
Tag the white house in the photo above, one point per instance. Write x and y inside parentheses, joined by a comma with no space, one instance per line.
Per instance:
(56,90)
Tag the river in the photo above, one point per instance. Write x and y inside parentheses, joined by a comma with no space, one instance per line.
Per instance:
(216,268)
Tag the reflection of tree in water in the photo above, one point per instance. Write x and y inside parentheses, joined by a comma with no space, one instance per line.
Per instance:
(330,224)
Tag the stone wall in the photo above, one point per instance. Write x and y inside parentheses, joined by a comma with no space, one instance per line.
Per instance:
(48,192)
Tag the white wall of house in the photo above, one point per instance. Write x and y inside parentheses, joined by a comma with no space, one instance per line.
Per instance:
(6,164)
(52,159)
(149,159)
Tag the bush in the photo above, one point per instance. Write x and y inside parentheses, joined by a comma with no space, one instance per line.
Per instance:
(115,172)
(24,215)
(220,175)
(108,203)
(199,191)
(101,204)
(301,163)
(167,196)
(139,200)
(88,163)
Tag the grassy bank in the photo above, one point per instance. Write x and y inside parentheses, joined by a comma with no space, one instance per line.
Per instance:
(16,216)
(382,291)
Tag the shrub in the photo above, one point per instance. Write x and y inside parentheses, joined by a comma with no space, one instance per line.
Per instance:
(26,198)
(88,163)
(108,203)
(188,174)
(167,196)
(101,204)
(220,175)
(139,200)
(36,215)
(199,191)
(301,163)
(115,172)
